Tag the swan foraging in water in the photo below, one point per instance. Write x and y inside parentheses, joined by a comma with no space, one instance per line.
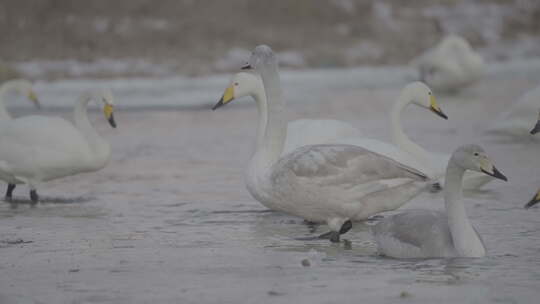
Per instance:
(333,184)
(535,200)
(37,149)
(451,65)
(21,86)
(301,132)
(424,233)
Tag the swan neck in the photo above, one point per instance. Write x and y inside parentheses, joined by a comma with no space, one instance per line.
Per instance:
(276,126)
(262,108)
(466,241)
(399,137)
(4,88)
(99,147)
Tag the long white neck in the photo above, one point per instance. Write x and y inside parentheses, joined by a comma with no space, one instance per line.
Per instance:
(270,147)
(466,241)
(262,107)
(6,87)
(99,148)
(399,137)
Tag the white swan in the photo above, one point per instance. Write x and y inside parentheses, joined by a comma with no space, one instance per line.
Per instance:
(517,121)
(301,132)
(451,65)
(21,86)
(37,148)
(330,184)
(535,200)
(424,233)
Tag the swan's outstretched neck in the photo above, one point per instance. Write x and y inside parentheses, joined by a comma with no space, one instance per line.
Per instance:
(276,128)
(99,147)
(399,137)
(466,241)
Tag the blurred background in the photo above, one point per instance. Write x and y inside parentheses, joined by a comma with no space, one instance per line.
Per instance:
(49,39)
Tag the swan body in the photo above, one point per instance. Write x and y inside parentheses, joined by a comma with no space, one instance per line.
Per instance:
(520,118)
(37,149)
(21,86)
(428,234)
(451,65)
(330,184)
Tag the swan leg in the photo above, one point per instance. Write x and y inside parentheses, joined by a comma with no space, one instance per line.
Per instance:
(34,197)
(9,192)
(333,236)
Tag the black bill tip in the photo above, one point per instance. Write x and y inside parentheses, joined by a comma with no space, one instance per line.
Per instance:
(247,66)
(536,128)
(219,104)
(496,174)
(440,113)
(111,120)
(533,202)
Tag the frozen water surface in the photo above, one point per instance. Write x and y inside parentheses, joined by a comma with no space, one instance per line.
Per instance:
(169,220)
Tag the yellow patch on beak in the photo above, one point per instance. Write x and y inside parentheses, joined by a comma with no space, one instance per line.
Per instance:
(228,95)
(33,97)
(108,111)
(485,165)
(435,107)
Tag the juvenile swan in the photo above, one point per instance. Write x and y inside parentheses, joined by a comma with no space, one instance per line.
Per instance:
(423,233)
(21,86)
(38,148)
(330,184)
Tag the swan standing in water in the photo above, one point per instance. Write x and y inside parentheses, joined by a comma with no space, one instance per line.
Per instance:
(22,87)
(301,132)
(37,148)
(424,233)
(332,184)
(451,65)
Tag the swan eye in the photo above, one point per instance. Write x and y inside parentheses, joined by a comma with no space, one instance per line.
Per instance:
(476,154)
(236,83)
(429,93)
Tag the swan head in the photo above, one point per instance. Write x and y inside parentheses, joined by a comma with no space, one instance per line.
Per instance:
(473,157)
(261,55)
(242,84)
(536,128)
(421,95)
(535,200)
(24,88)
(106,97)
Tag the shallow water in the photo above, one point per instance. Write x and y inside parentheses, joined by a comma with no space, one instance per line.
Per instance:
(169,220)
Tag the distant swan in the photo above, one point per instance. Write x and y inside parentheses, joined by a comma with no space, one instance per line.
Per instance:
(332,184)
(519,118)
(21,86)
(37,149)
(428,234)
(451,65)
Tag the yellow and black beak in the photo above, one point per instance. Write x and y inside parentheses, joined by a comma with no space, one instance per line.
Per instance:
(108,112)
(33,97)
(227,96)
(487,167)
(535,200)
(434,107)
(536,128)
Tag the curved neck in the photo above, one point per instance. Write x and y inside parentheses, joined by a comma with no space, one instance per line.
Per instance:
(466,241)
(97,145)
(400,139)
(270,147)
(6,87)
(262,108)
